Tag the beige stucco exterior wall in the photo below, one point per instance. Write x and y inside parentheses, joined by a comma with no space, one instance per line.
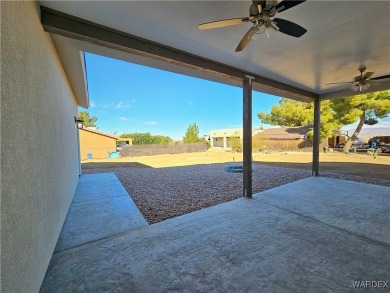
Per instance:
(98,145)
(221,138)
(217,142)
(39,162)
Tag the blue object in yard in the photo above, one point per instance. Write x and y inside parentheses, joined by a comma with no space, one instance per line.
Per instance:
(89,156)
(236,169)
(114,155)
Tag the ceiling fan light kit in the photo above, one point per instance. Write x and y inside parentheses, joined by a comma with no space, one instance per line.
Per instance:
(261,26)
(261,15)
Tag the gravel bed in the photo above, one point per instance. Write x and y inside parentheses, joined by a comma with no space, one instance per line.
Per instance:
(164,193)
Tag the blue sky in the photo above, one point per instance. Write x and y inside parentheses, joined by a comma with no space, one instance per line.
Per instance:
(127,97)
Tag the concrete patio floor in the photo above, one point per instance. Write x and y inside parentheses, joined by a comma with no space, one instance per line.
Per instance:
(312,235)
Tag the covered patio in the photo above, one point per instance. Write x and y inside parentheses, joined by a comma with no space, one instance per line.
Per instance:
(313,235)
(165,35)
(316,234)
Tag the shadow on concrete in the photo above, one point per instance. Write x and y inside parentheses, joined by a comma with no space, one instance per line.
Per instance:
(325,236)
(103,165)
(358,169)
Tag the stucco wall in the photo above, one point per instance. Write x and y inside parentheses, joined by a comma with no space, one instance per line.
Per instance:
(39,164)
(217,142)
(98,145)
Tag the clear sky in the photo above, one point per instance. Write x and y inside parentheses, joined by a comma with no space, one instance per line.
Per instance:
(127,97)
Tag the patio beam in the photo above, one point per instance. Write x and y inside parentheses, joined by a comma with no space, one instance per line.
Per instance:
(247,136)
(63,24)
(316,138)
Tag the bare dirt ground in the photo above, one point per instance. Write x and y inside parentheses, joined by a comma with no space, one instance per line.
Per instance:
(350,164)
(167,186)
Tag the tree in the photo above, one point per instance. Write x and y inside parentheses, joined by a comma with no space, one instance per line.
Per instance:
(160,139)
(192,134)
(292,113)
(146,138)
(364,108)
(289,113)
(87,121)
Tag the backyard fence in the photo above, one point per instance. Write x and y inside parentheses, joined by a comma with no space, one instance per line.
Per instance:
(260,144)
(162,149)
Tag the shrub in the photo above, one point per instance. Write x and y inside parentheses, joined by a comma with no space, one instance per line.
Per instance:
(374,153)
(235,144)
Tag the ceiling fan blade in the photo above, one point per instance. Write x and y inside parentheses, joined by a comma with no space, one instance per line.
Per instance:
(367,75)
(373,82)
(338,82)
(381,77)
(284,5)
(344,86)
(222,23)
(289,28)
(245,40)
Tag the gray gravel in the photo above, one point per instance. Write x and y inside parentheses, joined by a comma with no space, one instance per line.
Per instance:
(164,193)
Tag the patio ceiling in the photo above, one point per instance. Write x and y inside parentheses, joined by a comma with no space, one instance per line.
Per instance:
(341,36)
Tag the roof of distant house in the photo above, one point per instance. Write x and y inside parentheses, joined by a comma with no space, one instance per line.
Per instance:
(286,132)
(93,130)
(232,132)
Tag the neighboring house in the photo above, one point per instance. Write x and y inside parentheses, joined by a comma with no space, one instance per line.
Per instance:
(96,144)
(337,139)
(221,138)
(286,133)
(123,142)
(287,138)
(206,137)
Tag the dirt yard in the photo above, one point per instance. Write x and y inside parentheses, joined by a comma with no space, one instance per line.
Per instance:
(340,163)
(168,186)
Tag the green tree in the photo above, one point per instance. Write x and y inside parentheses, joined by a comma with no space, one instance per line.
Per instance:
(162,139)
(87,120)
(364,109)
(146,138)
(192,134)
(292,113)
(289,113)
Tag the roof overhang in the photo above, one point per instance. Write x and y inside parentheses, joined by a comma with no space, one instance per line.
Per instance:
(95,38)
(293,68)
(72,59)
(99,133)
